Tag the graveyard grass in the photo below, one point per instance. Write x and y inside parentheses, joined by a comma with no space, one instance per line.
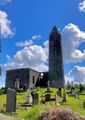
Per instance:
(34,112)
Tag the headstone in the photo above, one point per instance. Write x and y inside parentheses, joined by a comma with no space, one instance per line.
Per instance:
(56,100)
(59,93)
(11,101)
(47,97)
(29,99)
(35,98)
(17,84)
(48,86)
(64,97)
(76,94)
(73,92)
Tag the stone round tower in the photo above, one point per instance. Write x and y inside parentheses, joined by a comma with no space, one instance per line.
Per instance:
(56,72)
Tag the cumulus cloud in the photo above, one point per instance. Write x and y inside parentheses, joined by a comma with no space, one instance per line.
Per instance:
(28,42)
(77,74)
(4,1)
(33,57)
(24,43)
(36,37)
(5,23)
(72,37)
(82,6)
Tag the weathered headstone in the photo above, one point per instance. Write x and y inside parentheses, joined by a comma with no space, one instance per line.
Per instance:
(11,101)
(59,93)
(29,99)
(48,86)
(56,100)
(64,97)
(17,84)
(47,97)
(35,98)
(76,94)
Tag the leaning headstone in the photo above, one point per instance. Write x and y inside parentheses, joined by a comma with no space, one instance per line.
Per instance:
(11,101)
(35,98)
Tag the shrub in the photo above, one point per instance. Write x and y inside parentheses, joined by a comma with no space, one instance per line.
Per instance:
(60,114)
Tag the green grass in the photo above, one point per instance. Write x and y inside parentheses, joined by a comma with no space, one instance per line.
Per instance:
(34,112)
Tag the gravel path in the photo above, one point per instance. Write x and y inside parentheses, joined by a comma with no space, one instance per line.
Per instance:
(3,117)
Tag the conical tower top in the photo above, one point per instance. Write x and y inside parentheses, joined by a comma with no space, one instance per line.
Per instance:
(55,30)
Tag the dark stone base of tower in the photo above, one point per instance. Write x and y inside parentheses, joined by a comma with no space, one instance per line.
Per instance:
(56,74)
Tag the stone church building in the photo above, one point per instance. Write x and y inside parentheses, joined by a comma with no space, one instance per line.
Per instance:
(26,78)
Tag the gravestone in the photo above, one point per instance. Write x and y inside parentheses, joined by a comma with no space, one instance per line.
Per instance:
(64,97)
(11,101)
(56,100)
(35,98)
(47,97)
(17,84)
(48,86)
(59,92)
(29,99)
(76,94)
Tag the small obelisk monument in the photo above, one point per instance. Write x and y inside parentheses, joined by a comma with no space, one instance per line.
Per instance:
(56,72)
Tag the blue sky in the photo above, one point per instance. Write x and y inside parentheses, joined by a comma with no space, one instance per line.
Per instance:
(26,25)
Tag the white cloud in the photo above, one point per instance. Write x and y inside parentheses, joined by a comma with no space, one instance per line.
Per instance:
(24,43)
(82,6)
(72,38)
(28,42)
(6,29)
(4,1)
(46,46)
(77,74)
(36,37)
(32,57)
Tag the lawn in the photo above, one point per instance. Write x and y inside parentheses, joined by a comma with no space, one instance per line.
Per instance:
(33,112)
